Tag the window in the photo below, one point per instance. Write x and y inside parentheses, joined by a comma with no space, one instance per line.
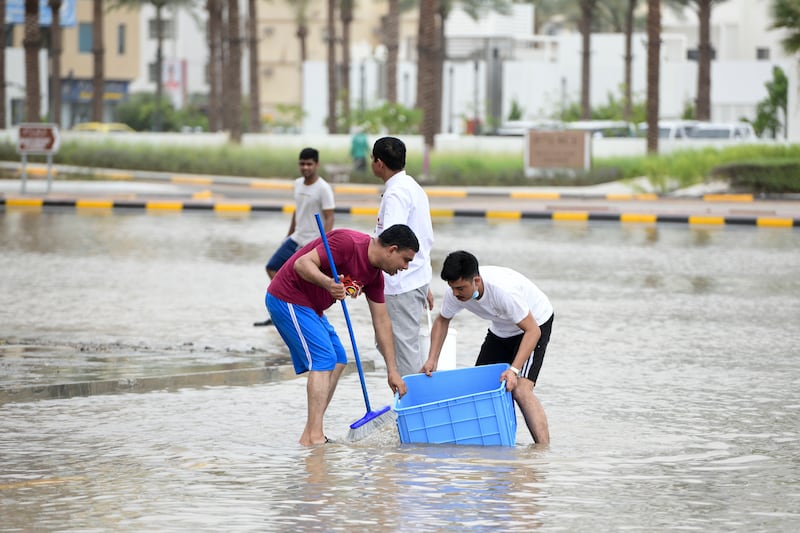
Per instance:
(693,54)
(762,54)
(9,36)
(85,37)
(152,72)
(121,39)
(167,29)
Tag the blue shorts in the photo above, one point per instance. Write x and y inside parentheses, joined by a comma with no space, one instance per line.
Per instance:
(311,339)
(287,248)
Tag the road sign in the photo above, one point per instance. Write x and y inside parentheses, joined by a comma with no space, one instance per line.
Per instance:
(38,139)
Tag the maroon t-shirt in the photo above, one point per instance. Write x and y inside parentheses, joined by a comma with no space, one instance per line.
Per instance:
(349,250)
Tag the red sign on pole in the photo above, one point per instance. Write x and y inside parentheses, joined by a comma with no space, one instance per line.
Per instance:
(38,139)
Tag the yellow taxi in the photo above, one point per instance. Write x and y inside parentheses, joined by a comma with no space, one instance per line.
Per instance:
(103,127)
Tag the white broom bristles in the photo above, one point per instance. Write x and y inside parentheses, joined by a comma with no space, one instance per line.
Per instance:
(365,430)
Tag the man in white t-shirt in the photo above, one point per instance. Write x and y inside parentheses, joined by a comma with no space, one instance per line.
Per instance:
(408,292)
(312,195)
(521,318)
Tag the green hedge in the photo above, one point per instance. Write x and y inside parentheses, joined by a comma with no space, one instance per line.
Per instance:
(762,176)
(764,168)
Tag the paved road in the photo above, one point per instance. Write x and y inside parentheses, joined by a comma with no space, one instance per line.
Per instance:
(623,201)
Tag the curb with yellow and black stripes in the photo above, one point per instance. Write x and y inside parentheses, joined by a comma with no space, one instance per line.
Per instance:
(32,203)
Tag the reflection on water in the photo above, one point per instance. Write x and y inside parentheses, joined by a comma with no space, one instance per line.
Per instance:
(671,384)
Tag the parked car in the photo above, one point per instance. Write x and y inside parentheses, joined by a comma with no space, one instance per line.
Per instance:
(521,127)
(669,129)
(730,130)
(603,128)
(103,127)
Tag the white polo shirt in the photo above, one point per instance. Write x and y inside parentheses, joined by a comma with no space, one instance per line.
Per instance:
(507,298)
(404,202)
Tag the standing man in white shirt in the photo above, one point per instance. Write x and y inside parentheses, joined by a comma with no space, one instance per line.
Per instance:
(312,195)
(408,292)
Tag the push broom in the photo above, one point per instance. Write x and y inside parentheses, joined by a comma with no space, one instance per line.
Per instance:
(373,420)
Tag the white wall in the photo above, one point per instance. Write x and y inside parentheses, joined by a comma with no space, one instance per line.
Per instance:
(15,81)
(189,45)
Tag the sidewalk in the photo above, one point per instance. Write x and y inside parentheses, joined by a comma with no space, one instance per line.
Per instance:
(630,201)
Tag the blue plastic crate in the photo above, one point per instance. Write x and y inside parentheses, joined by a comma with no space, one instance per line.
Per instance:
(461,406)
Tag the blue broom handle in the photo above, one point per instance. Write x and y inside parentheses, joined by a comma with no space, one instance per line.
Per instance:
(344,308)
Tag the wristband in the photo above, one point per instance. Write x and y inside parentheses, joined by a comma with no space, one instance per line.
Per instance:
(515,371)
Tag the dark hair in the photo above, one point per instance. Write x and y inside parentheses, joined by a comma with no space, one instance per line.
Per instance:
(400,235)
(391,151)
(460,265)
(309,153)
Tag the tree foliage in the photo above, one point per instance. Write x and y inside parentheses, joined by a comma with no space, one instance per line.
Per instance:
(771,111)
(786,15)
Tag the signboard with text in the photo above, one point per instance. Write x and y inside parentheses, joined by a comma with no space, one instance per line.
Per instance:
(557,150)
(38,138)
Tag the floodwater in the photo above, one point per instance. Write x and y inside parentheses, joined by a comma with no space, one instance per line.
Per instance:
(671,383)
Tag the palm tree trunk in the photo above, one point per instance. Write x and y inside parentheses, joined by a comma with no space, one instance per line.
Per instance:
(214,8)
(427,59)
(3,68)
(346,15)
(391,32)
(653,72)
(158,119)
(55,59)
(98,51)
(439,71)
(255,89)
(31,42)
(587,9)
(234,78)
(703,110)
(332,85)
(627,110)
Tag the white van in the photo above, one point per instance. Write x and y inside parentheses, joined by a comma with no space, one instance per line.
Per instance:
(730,130)
(669,129)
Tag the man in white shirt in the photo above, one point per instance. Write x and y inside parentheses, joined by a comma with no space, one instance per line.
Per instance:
(521,318)
(312,195)
(408,292)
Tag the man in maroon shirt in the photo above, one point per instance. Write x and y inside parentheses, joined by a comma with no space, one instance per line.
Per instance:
(304,288)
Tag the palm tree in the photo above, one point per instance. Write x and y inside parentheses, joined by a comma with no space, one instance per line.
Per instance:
(391,32)
(703,108)
(627,110)
(252,35)
(346,16)
(98,51)
(332,85)
(301,20)
(786,16)
(587,10)
(653,72)
(55,59)
(300,10)
(3,67)
(233,75)
(32,42)
(159,6)
(428,50)
(215,22)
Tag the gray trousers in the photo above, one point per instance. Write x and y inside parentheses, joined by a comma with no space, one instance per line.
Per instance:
(406,310)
